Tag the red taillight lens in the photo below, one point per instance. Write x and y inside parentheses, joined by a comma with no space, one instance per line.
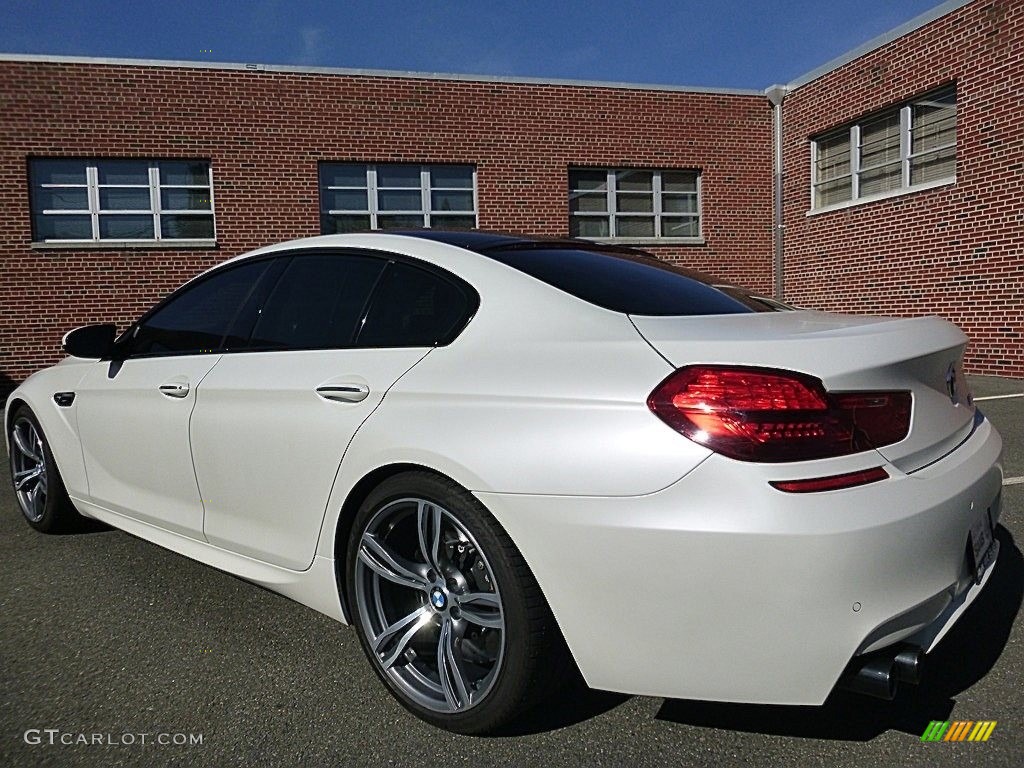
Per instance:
(832,482)
(759,414)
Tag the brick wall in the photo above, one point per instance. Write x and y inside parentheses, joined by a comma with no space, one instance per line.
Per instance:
(265,133)
(955,251)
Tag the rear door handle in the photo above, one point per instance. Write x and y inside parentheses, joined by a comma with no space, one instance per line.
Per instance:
(344,393)
(174,389)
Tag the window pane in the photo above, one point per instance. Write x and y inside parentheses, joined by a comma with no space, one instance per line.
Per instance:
(676,181)
(63,199)
(58,227)
(883,179)
(185,199)
(343,175)
(198,318)
(833,156)
(634,203)
(451,201)
(345,200)
(586,181)
(58,171)
(124,199)
(634,181)
(317,304)
(187,172)
(186,227)
(933,166)
(452,222)
(679,203)
(399,200)
(933,122)
(123,172)
(685,227)
(340,224)
(831,192)
(880,141)
(460,176)
(589,226)
(635,283)
(634,227)
(132,227)
(590,203)
(413,308)
(398,176)
(399,222)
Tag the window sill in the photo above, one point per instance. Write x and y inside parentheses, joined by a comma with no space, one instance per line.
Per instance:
(883,196)
(122,245)
(645,240)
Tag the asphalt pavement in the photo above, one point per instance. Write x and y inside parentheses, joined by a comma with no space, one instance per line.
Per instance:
(112,641)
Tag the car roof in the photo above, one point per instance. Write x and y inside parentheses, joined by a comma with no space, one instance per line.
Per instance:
(482,241)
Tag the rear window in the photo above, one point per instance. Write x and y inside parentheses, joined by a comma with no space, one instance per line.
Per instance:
(631,282)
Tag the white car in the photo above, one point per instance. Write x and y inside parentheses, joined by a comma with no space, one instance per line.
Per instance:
(500,456)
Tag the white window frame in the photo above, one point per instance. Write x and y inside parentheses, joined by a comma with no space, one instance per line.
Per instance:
(907,156)
(612,214)
(154,185)
(425,212)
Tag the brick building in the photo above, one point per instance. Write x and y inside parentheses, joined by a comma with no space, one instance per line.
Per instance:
(901,167)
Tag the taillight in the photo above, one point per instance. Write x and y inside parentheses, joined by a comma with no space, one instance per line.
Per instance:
(760,414)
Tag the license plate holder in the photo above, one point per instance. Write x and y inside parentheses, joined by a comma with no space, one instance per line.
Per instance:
(982,542)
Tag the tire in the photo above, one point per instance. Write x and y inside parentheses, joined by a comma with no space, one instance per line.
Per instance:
(462,637)
(38,487)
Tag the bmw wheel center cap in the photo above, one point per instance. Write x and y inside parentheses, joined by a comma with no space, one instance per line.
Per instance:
(438,599)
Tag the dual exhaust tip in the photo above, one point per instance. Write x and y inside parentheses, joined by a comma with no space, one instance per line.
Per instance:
(880,674)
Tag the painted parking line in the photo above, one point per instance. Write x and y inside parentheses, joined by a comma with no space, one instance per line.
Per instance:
(1013,480)
(999,397)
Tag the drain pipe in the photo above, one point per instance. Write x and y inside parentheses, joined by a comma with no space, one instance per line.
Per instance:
(776,94)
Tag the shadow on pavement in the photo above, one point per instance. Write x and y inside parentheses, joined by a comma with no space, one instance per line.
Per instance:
(960,660)
(574,704)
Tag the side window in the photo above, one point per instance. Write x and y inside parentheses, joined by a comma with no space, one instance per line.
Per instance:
(413,307)
(197,319)
(317,303)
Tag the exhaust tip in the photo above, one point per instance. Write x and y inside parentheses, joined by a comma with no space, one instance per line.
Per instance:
(908,666)
(874,677)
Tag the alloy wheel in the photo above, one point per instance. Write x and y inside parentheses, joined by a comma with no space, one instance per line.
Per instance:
(430,605)
(28,462)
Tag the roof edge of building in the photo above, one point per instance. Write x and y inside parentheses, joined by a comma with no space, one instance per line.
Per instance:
(344,71)
(875,43)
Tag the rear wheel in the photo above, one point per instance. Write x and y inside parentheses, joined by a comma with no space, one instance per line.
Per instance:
(38,487)
(447,609)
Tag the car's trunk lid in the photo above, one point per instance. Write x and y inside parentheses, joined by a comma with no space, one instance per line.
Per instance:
(848,353)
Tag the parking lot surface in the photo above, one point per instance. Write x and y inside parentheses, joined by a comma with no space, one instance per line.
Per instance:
(103,634)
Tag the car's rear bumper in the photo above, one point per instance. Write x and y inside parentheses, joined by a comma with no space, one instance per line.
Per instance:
(722,588)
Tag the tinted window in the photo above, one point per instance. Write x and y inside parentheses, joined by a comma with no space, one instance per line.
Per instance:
(317,303)
(247,315)
(197,319)
(756,303)
(634,283)
(414,308)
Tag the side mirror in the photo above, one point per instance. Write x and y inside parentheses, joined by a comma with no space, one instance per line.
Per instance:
(93,342)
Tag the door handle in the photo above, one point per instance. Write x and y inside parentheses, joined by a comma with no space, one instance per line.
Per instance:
(174,389)
(344,393)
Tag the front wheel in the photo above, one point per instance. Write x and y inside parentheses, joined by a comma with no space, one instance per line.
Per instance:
(446,608)
(38,487)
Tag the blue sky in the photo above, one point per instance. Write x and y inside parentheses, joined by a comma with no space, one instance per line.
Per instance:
(723,43)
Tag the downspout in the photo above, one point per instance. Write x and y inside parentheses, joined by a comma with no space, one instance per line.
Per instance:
(776,94)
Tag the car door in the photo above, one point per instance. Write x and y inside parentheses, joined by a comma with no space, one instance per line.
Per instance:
(272,424)
(134,411)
